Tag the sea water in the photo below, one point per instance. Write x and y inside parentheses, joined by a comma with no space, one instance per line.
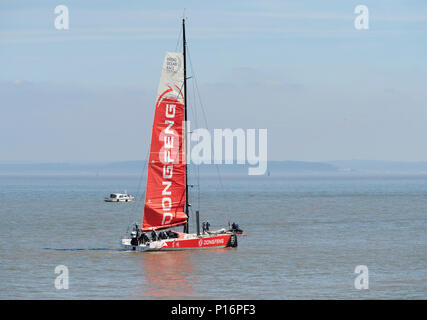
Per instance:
(305,237)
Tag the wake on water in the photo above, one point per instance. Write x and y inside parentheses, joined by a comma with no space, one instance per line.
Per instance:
(84,249)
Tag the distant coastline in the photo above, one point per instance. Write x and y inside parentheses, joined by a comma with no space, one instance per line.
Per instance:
(337,167)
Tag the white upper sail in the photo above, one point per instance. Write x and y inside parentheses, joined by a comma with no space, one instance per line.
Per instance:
(172,77)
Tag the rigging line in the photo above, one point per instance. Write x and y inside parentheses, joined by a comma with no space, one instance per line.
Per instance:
(204,114)
(197,125)
(197,88)
(179,38)
(192,105)
(143,170)
(193,109)
(142,177)
(198,187)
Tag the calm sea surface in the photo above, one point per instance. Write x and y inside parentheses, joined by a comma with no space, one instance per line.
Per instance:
(306,235)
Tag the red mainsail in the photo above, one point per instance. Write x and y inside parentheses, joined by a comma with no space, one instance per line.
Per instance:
(165,192)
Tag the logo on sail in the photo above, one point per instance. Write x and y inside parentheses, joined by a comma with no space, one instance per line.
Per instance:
(173,64)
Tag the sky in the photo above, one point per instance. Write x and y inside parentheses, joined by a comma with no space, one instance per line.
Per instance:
(323,89)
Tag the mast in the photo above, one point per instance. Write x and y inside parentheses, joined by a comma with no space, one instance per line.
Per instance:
(185,120)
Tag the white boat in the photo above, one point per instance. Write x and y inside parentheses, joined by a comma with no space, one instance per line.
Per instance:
(166,196)
(119,197)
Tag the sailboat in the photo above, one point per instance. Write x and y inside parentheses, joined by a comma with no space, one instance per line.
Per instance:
(166,196)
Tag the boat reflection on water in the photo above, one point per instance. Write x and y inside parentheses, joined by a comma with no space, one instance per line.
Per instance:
(167,274)
(172,274)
